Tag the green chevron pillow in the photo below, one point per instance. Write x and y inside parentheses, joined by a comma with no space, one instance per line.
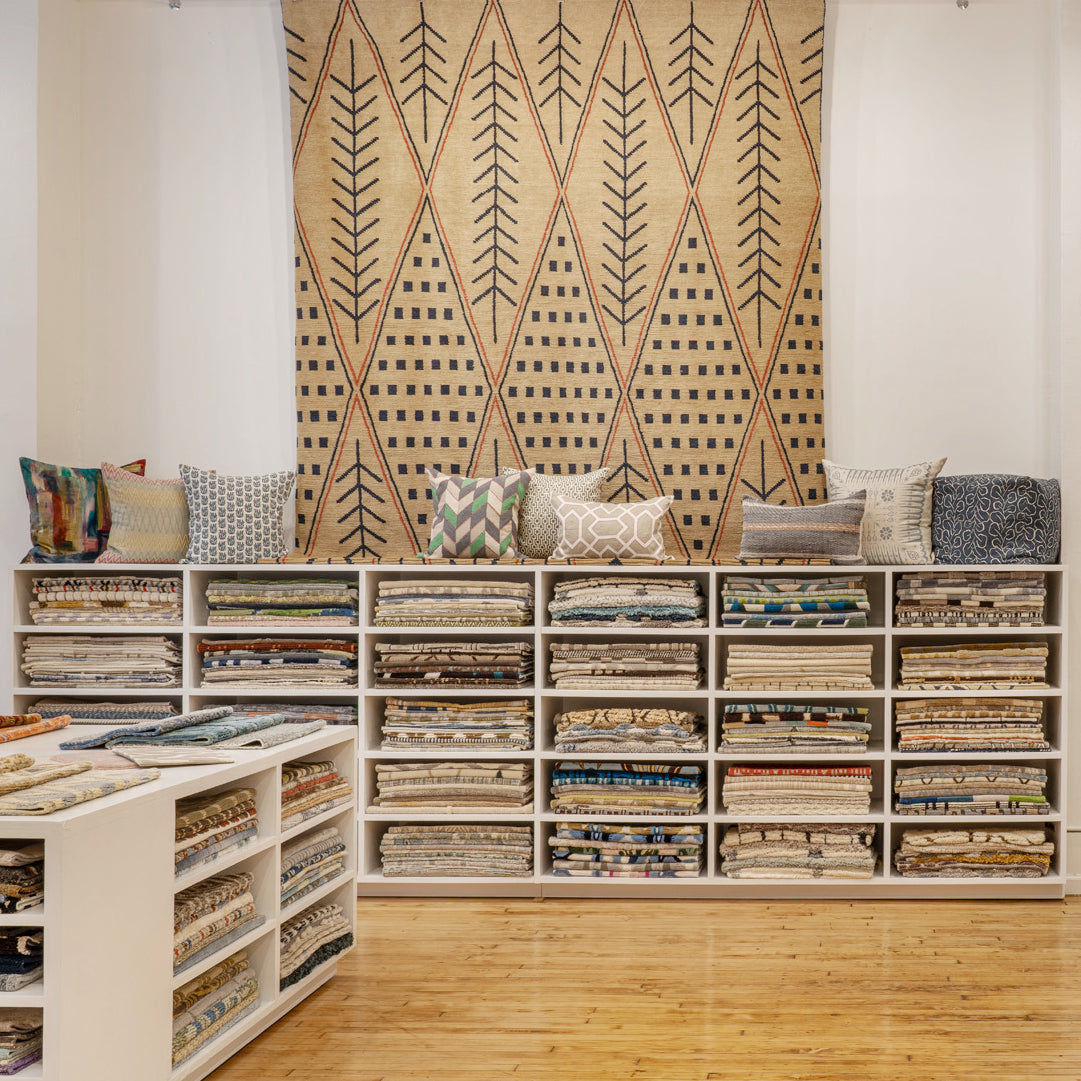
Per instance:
(475,517)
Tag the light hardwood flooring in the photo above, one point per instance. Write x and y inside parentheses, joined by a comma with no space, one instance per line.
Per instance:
(600,990)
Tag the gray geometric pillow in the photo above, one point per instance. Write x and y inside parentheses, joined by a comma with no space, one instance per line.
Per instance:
(538,526)
(235,519)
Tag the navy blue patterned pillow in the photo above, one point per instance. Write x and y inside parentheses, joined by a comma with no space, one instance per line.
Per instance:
(996,518)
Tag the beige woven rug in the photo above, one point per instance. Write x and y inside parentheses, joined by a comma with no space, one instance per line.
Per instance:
(562,235)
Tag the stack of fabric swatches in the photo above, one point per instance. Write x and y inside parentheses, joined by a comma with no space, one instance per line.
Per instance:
(454,664)
(310,862)
(980,666)
(754,667)
(22,875)
(281,602)
(213,1003)
(634,788)
(974,853)
(212,914)
(310,939)
(454,602)
(210,827)
(660,666)
(794,602)
(970,724)
(479,725)
(626,850)
(103,712)
(21,1038)
(944,598)
(429,850)
(797,790)
(259,662)
(22,952)
(15,726)
(310,789)
(28,787)
(453,786)
(109,599)
(617,601)
(777,726)
(629,729)
(302,712)
(799,850)
(116,660)
(1000,788)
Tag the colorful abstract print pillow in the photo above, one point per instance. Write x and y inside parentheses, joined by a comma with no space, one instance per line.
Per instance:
(476,517)
(69,511)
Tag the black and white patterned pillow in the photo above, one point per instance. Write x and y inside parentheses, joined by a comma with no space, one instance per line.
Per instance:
(235,519)
(538,525)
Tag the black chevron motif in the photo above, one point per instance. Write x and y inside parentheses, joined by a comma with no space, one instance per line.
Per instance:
(295,61)
(691,78)
(424,74)
(758,203)
(494,182)
(762,492)
(624,223)
(811,81)
(369,543)
(559,55)
(627,489)
(354,176)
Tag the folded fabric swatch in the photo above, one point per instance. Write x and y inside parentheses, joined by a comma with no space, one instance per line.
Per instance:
(970,724)
(974,853)
(22,875)
(312,938)
(635,788)
(789,727)
(409,722)
(121,598)
(144,733)
(310,789)
(118,713)
(311,861)
(630,730)
(799,850)
(259,662)
(756,667)
(55,795)
(20,726)
(81,660)
(453,602)
(947,598)
(209,827)
(794,602)
(975,666)
(797,790)
(453,664)
(461,850)
(626,850)
(674,665)
(453,786)
(625,600)
(281,602)
(999,788)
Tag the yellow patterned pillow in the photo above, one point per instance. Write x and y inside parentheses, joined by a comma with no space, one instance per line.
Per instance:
(149,518)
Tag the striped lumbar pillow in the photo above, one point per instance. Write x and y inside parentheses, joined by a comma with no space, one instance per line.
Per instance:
(824,531)
(475,517)
(610,530)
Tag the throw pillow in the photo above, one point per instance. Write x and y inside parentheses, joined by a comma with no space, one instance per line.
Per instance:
(235,519)
(897,520)
(69,511)
(823,531)
(476,517)
(149,518)
(610,530)
(538,526)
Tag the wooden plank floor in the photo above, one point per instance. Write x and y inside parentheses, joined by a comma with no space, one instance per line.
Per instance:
(600,990)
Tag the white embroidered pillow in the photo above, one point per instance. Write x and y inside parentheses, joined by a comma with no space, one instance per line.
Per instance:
(610,530)
(538,526)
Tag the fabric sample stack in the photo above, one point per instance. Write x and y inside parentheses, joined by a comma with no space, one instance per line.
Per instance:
(980,666)
(659,666)
(103,712)
(799,850)
(944,598)
(21,1039)
(310,939)
(998,789)
(795,790)
(453,786)
(426,850)
(259,662)
(633,788)
(309,789)
(22,951)
(32,788)
(974,853)
(970,724)
(626,850)
(281,602)
(479,725)
(794,728)
(454,602)
(22,875)
(83,660)
(668,731)
(301,712)
(454,664)
(209,827)
(309,862)
(795,602)
(213,1003)
(15,726)
(109,599)
(755,667)
(211,914)
(624,601)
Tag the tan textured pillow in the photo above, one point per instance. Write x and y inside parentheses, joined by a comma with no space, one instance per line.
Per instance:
(610,530)
(538,527)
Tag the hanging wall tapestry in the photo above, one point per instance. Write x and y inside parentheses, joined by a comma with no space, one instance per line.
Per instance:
(555,234)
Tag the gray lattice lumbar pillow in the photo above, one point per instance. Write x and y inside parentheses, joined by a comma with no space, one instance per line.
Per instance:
(611,530)
(538,526)
(235,519)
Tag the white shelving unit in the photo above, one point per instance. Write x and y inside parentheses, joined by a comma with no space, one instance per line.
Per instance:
(708,700)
